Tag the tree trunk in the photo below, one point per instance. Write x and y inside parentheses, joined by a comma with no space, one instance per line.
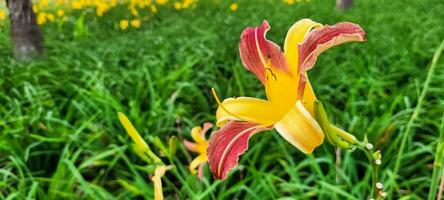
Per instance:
(26,36)
(344,4)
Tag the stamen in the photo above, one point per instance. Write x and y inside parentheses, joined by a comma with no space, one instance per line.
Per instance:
(268,67)
(271,71)
(213,91)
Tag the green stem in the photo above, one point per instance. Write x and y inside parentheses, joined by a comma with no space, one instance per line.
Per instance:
(437,164)
(415,113)
(374,168)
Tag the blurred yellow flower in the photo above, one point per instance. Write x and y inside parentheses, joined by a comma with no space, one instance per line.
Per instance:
(123,24)
(134,11)
(162,2)
(43,3)
(41,18)
(289,2)
(135,23)
(101,8)
(76,5)
(60,13)
(187,3)
(2,15)
(153,9)
(113,3)
(50,17)
(177,5)
(60,2)
(234,7)
(35,8)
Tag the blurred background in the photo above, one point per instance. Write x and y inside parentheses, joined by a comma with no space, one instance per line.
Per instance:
(68,66)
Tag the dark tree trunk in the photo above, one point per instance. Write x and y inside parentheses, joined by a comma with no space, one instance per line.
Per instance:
(344,4)
(26,36)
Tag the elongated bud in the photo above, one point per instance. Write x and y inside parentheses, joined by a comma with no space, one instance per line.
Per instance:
(172,146)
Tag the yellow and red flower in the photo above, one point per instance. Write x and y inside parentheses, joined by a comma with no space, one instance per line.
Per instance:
(200,147)
(290,105)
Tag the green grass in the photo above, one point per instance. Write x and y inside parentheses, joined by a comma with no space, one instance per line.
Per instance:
(60,137)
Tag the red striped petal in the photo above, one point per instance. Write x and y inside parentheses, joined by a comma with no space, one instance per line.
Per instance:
(321,39)
(257,53)
(227,144)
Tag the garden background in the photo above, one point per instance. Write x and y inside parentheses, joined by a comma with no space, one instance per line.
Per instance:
(60,137)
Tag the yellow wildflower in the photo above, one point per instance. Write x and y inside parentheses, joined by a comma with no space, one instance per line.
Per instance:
(43,3)
(289,2)
(200,147)
(153,9)
(41,18)
(134,11)
(113,3)
(233,7)
(35,8)
(101,8)
(123,24)
(2,15)
(162,2)
(177,5)
(50,17)
(60,13)
(135,23)
(76,5)
(187,3)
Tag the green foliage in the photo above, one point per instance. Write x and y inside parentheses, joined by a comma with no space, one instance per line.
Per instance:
(60,137)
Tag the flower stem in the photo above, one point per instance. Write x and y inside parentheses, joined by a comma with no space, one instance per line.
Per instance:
(376,192)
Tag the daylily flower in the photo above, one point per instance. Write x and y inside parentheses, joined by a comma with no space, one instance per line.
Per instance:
(291,100)
(198,135)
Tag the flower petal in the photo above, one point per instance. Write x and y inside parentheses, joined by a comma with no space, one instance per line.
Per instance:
(295,36)
(198,133)
(227,144)
(281,89)
(308,97)
(200,171)
(199,160)
(324,38)
(248,109)
(300,129)
(190,146)
(257,53)
(318,41)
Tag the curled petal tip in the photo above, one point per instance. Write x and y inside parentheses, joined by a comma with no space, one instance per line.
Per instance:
(321,39)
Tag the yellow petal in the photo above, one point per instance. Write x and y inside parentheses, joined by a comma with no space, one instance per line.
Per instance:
(296,35)
(300,129)
(201,159)
(196,135)
(281,89)
(132,132)
(309,97)
(248,109)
